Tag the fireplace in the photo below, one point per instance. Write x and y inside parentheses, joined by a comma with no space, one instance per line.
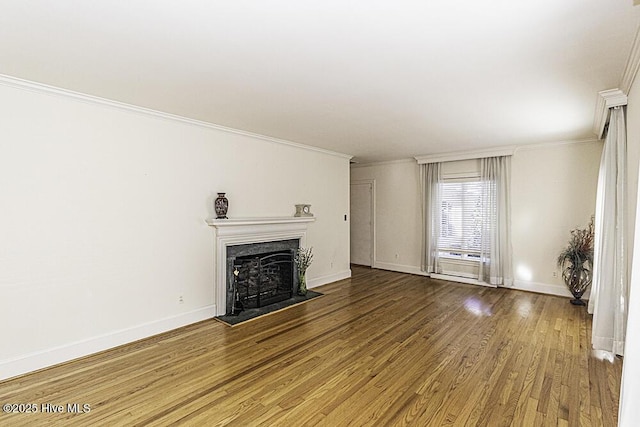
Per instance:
(234,237)
(265,273)
(263,280)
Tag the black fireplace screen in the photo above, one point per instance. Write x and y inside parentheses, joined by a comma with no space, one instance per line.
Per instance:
(264,279)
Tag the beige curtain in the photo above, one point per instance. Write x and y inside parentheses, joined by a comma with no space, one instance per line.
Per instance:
(430,178)
(496,266)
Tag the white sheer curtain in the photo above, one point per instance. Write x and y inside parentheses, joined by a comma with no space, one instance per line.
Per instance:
(609,290)
(496,266)
(430,178)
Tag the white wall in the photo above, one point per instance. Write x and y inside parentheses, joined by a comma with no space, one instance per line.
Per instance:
(397,215)
(103,220)
(553,191)
(629,413)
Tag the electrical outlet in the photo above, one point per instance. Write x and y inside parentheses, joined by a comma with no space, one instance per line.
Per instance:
(397,256)
(180,299)
(555,274)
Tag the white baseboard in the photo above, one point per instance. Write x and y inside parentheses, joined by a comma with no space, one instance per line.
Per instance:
(543,288)
(416,270)
(64,353)
(330,278)
(460,279)
(400,268)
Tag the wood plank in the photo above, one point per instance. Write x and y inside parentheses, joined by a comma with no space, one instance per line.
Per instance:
(381,348)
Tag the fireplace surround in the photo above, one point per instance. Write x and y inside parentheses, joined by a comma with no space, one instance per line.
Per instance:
(245,231)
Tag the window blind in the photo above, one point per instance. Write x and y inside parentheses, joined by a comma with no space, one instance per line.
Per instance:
(461,219)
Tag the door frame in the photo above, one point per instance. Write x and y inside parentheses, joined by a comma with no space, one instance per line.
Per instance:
(372,183)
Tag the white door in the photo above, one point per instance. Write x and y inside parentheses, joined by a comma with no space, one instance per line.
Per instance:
(362,223)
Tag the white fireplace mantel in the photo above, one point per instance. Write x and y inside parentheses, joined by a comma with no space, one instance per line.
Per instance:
(240,231)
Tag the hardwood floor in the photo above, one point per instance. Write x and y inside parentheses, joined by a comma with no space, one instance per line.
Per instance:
(381,348)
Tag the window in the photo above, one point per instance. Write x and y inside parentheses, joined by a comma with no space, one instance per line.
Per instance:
(461,219)
(466,213)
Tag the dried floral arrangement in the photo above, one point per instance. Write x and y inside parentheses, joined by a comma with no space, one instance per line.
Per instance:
(303,259)
(576,261)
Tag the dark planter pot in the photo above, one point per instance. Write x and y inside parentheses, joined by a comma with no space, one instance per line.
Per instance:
(577,280)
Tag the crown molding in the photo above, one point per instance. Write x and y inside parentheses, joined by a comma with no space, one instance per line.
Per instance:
(617,97)
(555,144)
(383,163)
(467,155)
(633,65)
(607,99)
(31,86)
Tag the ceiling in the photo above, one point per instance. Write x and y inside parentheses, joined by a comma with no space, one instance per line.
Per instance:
(380,80)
